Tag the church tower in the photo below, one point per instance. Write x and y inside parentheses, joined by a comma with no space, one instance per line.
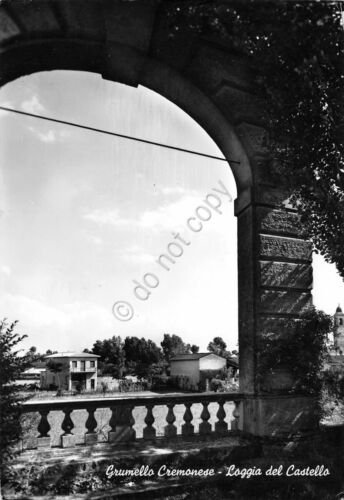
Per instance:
(338,331)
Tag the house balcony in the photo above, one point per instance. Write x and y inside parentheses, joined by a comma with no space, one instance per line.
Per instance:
(78,369)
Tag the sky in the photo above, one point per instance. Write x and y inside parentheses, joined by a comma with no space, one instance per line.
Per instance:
(84,218)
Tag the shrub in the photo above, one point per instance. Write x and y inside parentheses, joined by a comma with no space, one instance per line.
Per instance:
(11,366)
(300,350)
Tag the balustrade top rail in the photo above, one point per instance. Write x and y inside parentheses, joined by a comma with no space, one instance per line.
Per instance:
(131,400)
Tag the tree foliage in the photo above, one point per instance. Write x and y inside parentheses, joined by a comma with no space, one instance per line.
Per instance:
(172,345)
(112,355)
(217,346)
(55,367)
(142,354)
(138,356)
(296,49)
(302,351)
(11,366)
(36,356)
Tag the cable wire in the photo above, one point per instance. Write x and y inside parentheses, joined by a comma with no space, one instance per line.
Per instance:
(115,134)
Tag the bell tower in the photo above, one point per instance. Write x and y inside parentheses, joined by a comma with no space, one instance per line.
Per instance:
(338,331)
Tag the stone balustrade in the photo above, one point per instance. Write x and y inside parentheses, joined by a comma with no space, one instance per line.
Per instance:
(55,420)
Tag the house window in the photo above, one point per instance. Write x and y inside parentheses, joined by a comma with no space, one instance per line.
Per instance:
(92,364)
(340,321)
(74,364)
(92,381)
(83,365)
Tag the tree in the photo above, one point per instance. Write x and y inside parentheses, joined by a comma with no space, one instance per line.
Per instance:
(141,355)
(172,345)
(48,352)
(304,85)
(217,346)
(194,349)
(11,366)
(296,50)
(112,355)
(34,355)
(56,367)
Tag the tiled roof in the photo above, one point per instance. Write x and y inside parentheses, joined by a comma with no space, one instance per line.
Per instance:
(191,357)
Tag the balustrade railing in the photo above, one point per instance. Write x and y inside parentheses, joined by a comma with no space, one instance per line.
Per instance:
(90,421)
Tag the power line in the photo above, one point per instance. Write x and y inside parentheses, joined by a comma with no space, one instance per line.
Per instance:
(115,134)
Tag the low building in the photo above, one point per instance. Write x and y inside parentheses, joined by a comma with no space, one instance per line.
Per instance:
(107,383)
(32,374)
(334,363)
(338,330)
(233,364)
(74,371)
(196,367)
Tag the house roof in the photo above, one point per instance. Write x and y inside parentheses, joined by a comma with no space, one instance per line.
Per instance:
(192,357)
(233,362)
(72,355)
(33,371)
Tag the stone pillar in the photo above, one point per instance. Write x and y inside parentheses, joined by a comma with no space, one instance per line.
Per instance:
(275,282)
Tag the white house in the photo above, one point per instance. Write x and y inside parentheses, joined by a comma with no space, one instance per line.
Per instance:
(191,366)
(78,370)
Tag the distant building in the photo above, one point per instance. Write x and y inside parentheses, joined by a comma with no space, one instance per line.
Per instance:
(335,359)
(192,366)
(30,377)
(233,363)
(107,383)
(78,371)
(338,330)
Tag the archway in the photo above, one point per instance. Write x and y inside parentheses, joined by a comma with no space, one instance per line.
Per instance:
(131,42)
(94,212)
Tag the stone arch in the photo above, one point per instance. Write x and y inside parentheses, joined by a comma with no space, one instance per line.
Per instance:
(131,42)
(153,75)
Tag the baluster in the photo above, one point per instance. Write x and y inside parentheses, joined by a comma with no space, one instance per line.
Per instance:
(68,438)
(204,426)
(112,421)
(91,436)
(149,432)
(43,429)
(121,424)
(221,427)
(236,415)
(187,428)
(170,429)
